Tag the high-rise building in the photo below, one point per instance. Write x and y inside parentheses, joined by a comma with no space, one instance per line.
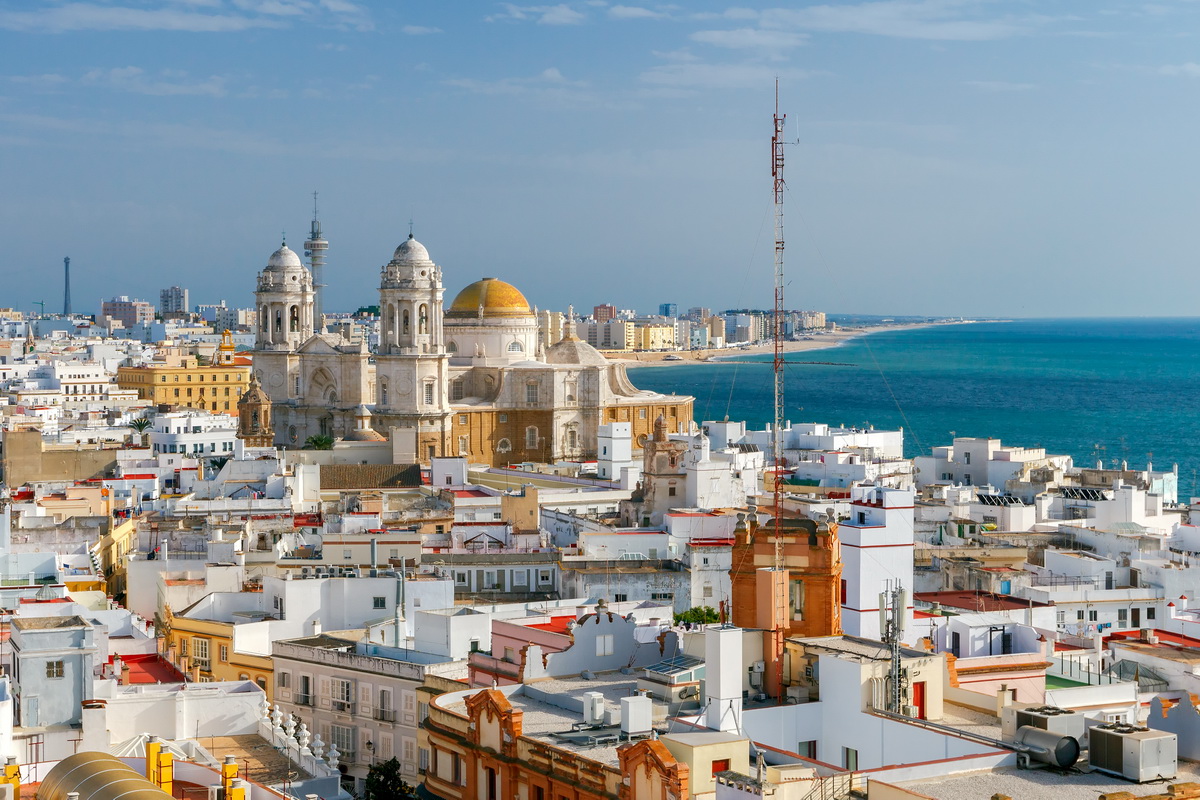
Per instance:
(668,309)
(173,301)
(604,313)
(128,312)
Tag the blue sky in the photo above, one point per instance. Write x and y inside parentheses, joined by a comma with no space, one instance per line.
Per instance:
(952,156)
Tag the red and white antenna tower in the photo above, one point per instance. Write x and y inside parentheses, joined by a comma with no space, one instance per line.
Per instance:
(777,364)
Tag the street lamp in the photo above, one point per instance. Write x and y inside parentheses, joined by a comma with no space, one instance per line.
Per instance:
(371,750)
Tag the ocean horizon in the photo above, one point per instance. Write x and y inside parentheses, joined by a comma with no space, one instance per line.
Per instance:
(1112,389)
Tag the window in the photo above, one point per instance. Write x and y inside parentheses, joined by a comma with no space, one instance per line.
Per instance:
(1079,615)
(1149,612)
(456,393)
(1122,616)
(1092,616)
(504,417)
(515,347)
(284,679)
(343,739)
(504,446)
(378,602)
(460,578)
(429,393)
(531,393)
(850,758)
(604,644)
(200,653)
(620,598)
(668,596)
(54,669)
(531,438)
(462,419)
(670,491)
(796,599)
(464,445)
(343,696)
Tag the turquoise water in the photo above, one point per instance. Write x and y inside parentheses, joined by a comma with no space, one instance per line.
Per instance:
(1114,389)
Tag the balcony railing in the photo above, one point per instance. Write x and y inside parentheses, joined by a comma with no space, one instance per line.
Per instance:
(385,714)
(304,699)
(342,706)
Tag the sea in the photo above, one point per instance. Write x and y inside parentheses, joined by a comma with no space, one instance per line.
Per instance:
(1111,390)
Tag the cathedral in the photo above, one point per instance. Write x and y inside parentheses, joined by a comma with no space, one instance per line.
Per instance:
(468,379)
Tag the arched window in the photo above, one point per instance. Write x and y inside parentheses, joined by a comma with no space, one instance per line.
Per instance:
(383,392)
(406,320)
(572,438)
(278,320)
(531,438)
(391,321)
(503,446)
(263,318)
(451,347)
(515,347)
(423,319)
(295,319)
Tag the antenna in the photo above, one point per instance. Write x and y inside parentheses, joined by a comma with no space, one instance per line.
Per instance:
(893,607)
(777,366)
(314,248)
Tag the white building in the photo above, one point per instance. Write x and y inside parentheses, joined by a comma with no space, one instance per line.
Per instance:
(980,461)
(877,553)
(197,433)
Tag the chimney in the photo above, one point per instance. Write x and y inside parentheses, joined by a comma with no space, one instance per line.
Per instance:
(316,627)
(723,670)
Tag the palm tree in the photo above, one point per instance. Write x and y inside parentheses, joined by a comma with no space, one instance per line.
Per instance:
(139,426)
(318,442)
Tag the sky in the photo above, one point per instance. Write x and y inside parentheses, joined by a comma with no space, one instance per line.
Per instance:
(945,157)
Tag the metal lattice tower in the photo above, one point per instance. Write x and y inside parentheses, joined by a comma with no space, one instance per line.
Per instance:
(66,287)
(777,363)
(314,248)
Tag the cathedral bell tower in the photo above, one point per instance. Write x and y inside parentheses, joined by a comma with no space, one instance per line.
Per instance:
(254,416)
(285,301)
(411,365)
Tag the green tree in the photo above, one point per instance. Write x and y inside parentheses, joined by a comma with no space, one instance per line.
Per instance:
(384,783)
(318,442)
(140,425)
(700,615)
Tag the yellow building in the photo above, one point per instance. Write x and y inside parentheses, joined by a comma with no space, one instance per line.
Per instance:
(213,387)
(655,337)
(204,647)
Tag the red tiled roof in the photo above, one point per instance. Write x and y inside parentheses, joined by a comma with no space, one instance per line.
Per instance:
(978,601)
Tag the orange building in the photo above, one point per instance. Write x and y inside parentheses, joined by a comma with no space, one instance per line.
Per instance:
(802,599)
(478,748)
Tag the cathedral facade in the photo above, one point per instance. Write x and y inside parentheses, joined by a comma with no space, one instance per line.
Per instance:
(468,379)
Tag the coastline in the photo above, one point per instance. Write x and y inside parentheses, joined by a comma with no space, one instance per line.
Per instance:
(821,341)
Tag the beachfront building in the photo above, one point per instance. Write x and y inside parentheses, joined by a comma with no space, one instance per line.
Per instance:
(984,461)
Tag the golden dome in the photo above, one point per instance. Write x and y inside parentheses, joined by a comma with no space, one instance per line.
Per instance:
(498,299)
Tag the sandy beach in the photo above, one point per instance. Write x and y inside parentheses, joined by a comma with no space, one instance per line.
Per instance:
(819,341)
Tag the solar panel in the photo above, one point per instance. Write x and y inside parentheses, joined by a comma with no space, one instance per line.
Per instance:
(675,665)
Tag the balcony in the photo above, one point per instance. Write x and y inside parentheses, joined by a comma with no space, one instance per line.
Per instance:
(304,700)
(342,706)
(385,715)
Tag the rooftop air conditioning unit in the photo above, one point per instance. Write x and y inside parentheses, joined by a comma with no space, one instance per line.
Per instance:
(593,708)
(1137,754)
(1047,718)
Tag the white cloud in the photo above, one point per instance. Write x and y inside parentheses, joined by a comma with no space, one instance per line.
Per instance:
(48,80)
(1189,70)
(550,78)
(92,17)
(278,8)
(167,83)
(697,75)
(561,14)
(1000,86)
(634,12)
(751,38)
(907,19)
(419,30)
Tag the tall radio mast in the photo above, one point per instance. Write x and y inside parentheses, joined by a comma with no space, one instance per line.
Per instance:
(777,365)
